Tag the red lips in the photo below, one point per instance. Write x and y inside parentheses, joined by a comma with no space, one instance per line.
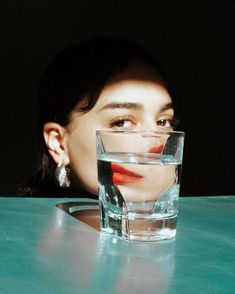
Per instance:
(122,176)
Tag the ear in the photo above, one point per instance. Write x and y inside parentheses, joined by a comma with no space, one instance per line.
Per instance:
(54,136)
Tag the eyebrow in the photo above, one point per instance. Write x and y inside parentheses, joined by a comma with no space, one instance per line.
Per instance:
(128,105)
(136,106)
(167,106)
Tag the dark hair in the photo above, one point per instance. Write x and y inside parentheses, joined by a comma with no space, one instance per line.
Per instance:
(78,72)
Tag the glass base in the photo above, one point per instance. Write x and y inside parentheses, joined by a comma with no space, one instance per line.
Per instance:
(141,229)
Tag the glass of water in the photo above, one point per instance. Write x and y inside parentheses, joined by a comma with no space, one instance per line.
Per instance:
(139,182)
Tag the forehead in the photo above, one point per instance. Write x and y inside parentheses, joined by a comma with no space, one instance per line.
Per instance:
(129,91)
(138,83)
(145,92)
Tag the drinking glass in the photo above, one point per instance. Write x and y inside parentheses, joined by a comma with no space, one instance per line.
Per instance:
(139,183)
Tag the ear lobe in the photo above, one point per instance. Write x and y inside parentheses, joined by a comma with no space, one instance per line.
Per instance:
(54,137)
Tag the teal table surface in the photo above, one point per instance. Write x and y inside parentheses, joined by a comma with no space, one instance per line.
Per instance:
(46,250)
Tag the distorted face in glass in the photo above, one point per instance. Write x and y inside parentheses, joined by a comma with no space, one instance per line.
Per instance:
(135,99)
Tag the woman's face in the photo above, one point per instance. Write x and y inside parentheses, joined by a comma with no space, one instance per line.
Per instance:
(135,99)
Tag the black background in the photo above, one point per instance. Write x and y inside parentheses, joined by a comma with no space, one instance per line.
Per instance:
(193,41)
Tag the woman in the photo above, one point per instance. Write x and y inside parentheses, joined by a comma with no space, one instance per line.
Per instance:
(98,84)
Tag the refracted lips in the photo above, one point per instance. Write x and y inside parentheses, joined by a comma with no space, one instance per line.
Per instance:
(122,175)
(156,149)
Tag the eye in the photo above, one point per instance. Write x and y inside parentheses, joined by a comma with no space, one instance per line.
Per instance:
(171,122)
(122,123)
(165,123)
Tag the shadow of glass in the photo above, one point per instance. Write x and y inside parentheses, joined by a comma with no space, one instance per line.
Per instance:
(86,212)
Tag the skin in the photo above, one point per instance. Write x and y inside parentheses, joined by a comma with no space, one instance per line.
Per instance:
(134,99)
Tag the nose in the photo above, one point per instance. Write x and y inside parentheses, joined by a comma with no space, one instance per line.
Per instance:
(153,142)
(149,124)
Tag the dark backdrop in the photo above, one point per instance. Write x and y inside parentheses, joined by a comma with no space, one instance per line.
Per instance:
(193,41)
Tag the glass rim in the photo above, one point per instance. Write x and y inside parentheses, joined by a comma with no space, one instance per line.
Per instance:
(182,133)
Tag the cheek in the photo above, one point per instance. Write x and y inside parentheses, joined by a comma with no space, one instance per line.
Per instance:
(82,155)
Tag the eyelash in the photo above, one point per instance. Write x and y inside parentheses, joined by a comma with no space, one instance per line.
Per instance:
(173,123)
(115,122)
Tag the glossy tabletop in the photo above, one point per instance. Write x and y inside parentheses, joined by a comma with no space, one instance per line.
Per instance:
(43,249)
